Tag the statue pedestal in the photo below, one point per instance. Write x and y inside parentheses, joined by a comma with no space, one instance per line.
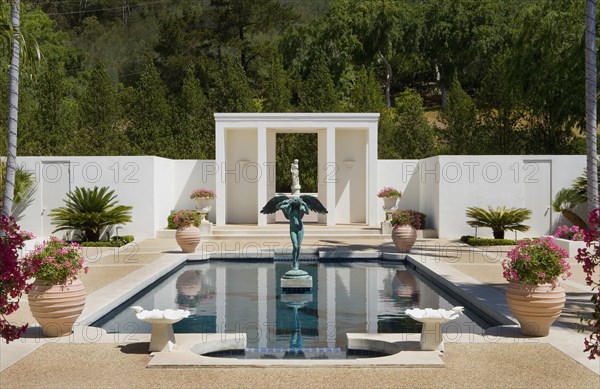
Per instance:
(296,190)
(296,280)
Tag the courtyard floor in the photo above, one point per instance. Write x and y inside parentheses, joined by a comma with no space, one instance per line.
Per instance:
(113,361)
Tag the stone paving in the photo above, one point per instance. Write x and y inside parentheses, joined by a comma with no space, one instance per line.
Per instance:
(117,363)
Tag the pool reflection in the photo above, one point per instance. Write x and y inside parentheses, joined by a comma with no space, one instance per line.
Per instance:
(240,297)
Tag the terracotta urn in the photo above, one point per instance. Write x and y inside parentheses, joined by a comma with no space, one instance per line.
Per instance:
(188,238)
(56,307)
(404,237)
(535,307)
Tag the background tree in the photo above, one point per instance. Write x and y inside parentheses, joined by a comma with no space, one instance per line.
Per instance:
(413,137)
(460,118)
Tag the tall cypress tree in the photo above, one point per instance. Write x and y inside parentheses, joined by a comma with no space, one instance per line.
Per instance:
(460,118)
(276,91)
(150,132)
(317,93)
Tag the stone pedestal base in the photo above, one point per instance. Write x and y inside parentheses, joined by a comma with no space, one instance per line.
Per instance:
(205,227)
(162,338)
(296,281)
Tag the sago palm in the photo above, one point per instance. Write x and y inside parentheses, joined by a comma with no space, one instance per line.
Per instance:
(499,219)
(90,211)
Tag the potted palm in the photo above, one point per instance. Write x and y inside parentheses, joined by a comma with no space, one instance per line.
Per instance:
(533,270)
(57,296)
(187,234)
(405,223)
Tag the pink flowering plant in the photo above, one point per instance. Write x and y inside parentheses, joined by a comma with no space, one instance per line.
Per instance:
(589,257)
(186,218)
(26,235)
(55,262)
(202,193)
(569,233)
(404,217)
(389,192)
(535,262)
(13,277)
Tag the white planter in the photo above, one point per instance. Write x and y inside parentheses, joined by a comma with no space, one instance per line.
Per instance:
(570,246)
(390,203)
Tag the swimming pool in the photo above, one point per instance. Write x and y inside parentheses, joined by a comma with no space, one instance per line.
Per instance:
(245,297)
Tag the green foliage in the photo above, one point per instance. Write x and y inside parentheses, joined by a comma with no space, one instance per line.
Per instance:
(24,184)
(535,262)
(277,90)
(499,219)
(55,262)
(99,117)
(146,78)
(366,94)
(473,241)
(114,242)
(150,116)
(90,211)
(295,146)
(189,215)
(194,122)
(231,91)
(410,136)
(565,200)
(460,118)
(185,218)
(405,217)
(317,93)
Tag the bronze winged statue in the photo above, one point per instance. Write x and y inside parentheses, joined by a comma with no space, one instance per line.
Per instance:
(294,208)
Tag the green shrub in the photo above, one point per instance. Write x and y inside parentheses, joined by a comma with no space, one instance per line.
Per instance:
(114,242)
(171,225)
(471,240)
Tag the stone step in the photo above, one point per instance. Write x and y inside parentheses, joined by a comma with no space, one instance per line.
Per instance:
(220,233)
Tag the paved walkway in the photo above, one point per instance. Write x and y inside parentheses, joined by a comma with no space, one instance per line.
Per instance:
(118,362)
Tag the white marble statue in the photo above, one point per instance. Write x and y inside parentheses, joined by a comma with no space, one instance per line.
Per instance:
(295,178)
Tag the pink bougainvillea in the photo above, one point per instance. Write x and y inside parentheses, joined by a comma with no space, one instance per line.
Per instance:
(589,257)
(13,277)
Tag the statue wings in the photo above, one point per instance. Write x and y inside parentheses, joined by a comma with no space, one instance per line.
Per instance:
(271,205)
(311,202)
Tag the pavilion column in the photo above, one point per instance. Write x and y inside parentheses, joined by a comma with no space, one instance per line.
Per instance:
(372,175)
(220,184)
(331,169)
(263,174)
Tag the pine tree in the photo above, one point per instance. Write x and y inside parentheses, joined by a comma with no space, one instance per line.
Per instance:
(150,128)
(99,113)
(194,135)
(460,118)
(231,91)
(317,93)
(366,95)
(276,91)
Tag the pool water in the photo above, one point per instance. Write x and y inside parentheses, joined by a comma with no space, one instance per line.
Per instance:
(244,297)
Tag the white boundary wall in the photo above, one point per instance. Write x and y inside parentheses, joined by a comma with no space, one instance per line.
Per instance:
(442,187)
